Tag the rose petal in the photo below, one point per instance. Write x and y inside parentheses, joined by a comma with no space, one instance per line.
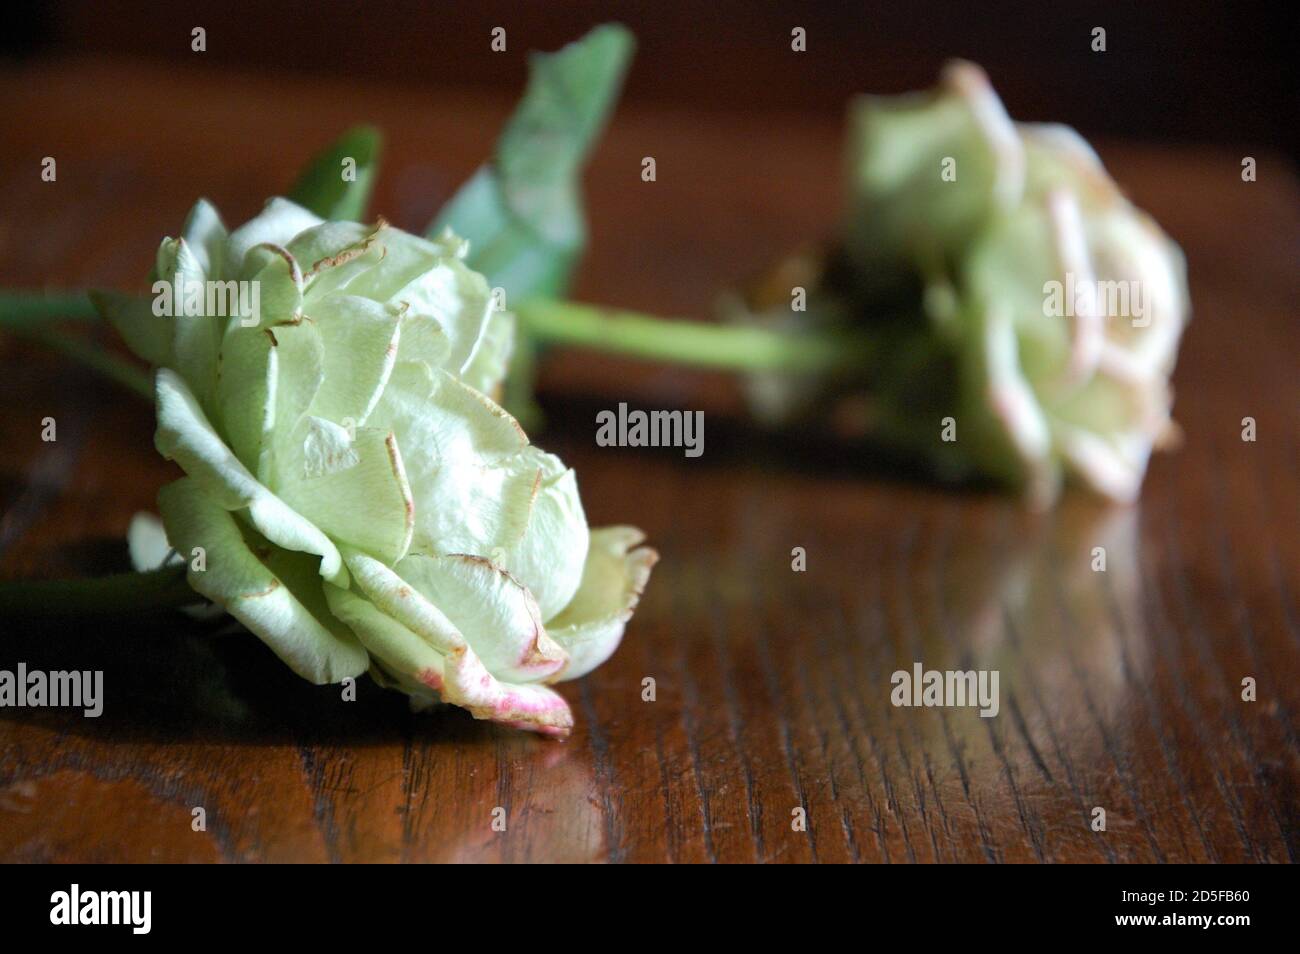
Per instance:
(321,247)
(147,541)
(246,382)
(280,220)
(360,338)
(455,297)
(591,626)
(487,368)
(276,594)
(423,341)
(206,236)
(185,436)
(1014,405)
(1111,467)
(494,611)
(458,677)
(463,606)
(279,281)
(266,381)
(355,491)
(196,335)
(498,497)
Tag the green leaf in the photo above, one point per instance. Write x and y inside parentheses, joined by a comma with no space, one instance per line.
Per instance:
(322,186)
(522,212)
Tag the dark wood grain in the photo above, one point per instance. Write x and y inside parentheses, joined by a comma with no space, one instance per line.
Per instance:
(1119,689)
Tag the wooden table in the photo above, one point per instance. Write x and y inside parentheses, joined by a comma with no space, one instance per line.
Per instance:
(1120,690)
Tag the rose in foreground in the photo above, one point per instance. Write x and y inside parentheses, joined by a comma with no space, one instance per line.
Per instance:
(1008,284)
(352,494)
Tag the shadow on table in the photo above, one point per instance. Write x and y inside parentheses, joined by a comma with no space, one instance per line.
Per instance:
(733,440)
(1014,595)
(168,678)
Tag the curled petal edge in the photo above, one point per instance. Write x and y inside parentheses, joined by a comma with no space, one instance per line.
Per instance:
(458,676)
(591,627)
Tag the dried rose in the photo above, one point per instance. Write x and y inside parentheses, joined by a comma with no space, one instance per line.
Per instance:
(351,493)
(1011,290)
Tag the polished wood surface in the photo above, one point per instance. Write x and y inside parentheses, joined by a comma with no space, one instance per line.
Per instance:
(1119,690)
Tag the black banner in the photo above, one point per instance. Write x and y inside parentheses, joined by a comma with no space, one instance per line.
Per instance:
(332,904)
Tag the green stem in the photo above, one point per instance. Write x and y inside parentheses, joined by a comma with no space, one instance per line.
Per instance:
(544,321)
(120,593)
(705,345)
(40,308)
(31,315)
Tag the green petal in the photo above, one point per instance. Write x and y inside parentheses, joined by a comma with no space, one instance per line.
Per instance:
(545,545)
(278,596)
(591,626)
(904,209)
(266,381)
(1008,266)
(245,391)
(396,598)
(165,259)
(490,493)
(405,258)
(426,280)
(298,353)
(277,224)
(185,436)
(458,300)
(149,336)
(317,246)
(354,489)
(487,368)
(360,338)
(493,611)
(196,335)
(336,254)
(206,236)
(279,282)
(423,341)
(400,650)
(458,676)
(1008,430)
(445,419)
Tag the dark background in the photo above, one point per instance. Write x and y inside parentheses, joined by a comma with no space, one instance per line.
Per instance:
(1209,71)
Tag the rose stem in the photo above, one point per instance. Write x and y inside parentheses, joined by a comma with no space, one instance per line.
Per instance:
(119,593)
(544,321)
(707,345)
(41,307)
